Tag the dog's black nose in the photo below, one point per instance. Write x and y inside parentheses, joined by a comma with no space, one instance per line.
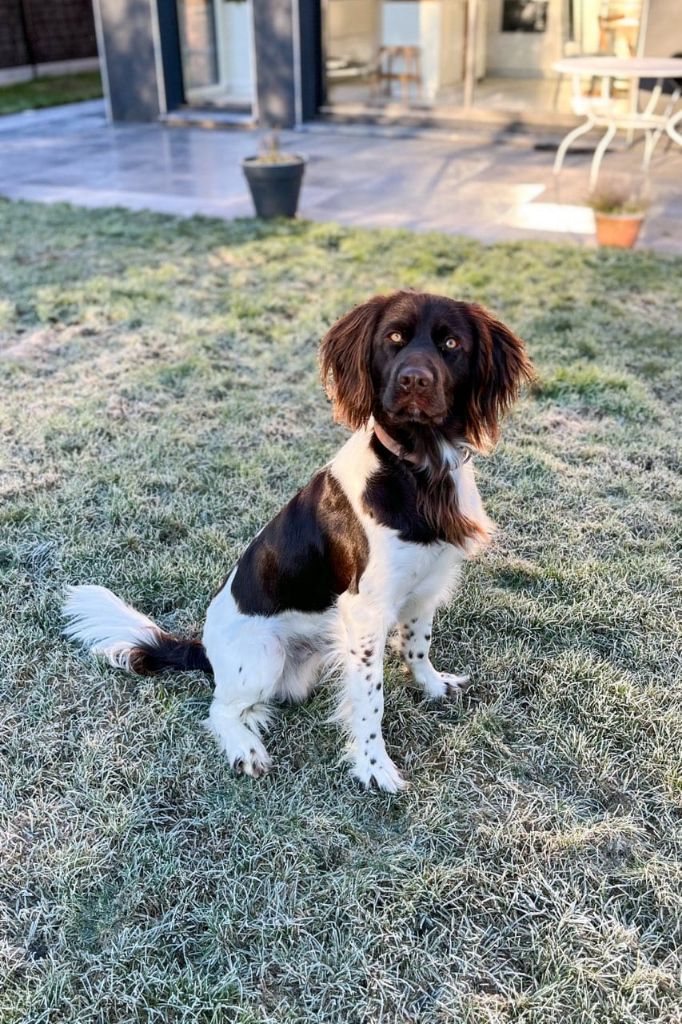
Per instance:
(413,378)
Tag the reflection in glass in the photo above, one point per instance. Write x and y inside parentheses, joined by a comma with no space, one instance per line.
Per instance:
(197,43)
(409,55)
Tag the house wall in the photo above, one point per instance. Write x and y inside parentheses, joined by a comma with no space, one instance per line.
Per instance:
(132,76)
(664,28)
(523,54)
(353,29)
(140,51)
(276,71)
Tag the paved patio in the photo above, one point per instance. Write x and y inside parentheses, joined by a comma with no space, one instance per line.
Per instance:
(463,183)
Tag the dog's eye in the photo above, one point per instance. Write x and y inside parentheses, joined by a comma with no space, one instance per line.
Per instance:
(451,343)
(396,337)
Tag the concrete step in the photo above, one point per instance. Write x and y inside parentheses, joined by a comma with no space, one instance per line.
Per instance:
(210,117)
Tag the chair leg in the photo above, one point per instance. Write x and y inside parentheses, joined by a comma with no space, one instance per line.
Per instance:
(568,141)
(604,143)
(651,139)
(673,127)
(557,90)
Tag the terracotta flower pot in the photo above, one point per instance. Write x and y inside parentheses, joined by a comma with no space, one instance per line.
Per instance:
(618,229)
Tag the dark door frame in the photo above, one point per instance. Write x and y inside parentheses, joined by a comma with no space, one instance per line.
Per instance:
(311,49)
(171,60)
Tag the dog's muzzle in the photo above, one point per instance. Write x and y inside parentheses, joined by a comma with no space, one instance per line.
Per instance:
(415,391)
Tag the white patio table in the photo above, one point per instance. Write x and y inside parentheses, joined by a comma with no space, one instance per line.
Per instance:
(606,112)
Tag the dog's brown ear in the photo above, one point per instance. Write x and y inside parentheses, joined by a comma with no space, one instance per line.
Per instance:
(345,357)
(500,367)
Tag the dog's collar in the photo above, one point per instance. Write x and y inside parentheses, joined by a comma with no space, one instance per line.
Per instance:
(397,449)
(391,444)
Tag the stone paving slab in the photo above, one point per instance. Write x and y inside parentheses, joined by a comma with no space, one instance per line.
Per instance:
(462,183)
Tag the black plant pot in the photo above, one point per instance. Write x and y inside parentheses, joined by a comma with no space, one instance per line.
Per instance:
(275,188)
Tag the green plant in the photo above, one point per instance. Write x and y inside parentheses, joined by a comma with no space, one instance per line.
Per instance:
(271,153)
(618,199)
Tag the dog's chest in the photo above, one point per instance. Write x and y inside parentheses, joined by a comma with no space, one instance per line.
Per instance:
(399,570)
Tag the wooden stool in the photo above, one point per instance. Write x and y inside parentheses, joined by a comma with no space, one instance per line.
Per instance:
(408,60)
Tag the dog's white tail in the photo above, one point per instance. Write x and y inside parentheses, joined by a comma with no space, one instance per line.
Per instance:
(125,637)
(106,625)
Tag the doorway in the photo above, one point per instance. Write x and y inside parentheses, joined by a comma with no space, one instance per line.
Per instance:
(216,51)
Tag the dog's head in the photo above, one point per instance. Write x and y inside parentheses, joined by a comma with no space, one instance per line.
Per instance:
(423,363)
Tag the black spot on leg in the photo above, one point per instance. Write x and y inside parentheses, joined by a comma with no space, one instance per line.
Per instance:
(368,676)
(376,711)
(420,654)
(369,651)
(372,735)
(240,668)
(413,621)
(427,636)
(378,686)
(352,651)
(410,654)
(372,760)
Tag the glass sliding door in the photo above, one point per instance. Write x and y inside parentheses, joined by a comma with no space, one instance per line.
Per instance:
(216,47)
(407,56)
(198,48)
(523,39)
(392,54)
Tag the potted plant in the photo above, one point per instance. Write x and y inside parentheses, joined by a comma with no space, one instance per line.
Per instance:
(274,179)
(618,214)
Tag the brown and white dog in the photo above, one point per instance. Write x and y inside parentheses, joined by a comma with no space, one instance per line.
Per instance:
(372,544)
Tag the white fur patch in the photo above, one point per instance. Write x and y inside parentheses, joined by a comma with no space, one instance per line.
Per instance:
(106,625)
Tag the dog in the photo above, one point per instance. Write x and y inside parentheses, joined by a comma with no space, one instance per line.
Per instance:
(372,544)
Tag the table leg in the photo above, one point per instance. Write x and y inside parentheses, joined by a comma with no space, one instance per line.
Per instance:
(672,128)
(557,90)
(568,141)
(650,142)
(599,154)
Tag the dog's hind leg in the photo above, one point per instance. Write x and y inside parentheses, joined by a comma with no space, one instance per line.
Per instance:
(247,675)
(300,674)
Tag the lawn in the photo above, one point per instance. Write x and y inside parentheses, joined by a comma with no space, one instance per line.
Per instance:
(50,91)
(159,400)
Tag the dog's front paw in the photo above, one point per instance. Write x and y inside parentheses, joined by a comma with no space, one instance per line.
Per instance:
(254,762)
(445,684)
(243,749)
(379,771)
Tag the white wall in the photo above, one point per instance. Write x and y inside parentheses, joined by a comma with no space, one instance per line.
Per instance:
(524,54)
(437,28)
(352,29)
(235,44)
(664,28)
